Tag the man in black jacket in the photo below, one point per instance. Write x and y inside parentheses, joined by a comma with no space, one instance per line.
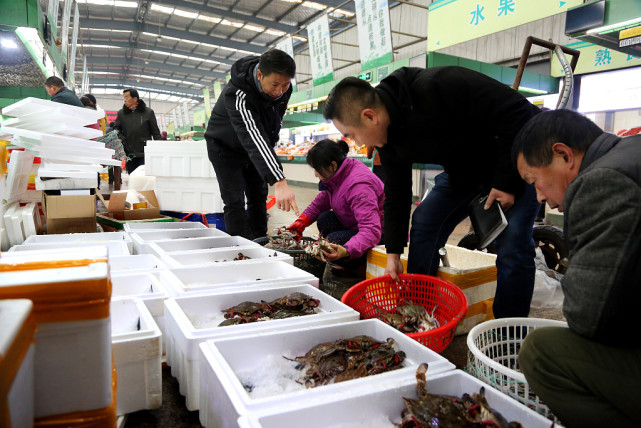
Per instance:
(241,134)
(466,122)
(137,124)
(590,373)
(59,93)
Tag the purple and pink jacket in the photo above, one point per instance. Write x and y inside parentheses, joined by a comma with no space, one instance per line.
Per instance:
(356,196)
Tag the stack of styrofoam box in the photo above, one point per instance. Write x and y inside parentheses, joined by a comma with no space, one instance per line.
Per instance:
(136,345)
(255,254)
(72,238)
(135,263)
(191,320)
(70,290)
(142,238)
(185,179)
(17,329)
(116,247)
(163,248)
(382,404)
(58,134)
(162,225)
(225,363)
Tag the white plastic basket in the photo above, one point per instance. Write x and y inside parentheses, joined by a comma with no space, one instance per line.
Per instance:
(493,358)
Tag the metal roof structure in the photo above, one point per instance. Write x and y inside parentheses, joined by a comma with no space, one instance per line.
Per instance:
(176,48)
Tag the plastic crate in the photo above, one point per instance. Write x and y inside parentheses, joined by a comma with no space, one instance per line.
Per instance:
(442,298)
(493,357)
(210,219)
(302,260)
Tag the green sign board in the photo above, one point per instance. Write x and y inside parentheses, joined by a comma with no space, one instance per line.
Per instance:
(594,58)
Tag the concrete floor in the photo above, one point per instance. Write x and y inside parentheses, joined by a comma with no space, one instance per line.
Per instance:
(173,412)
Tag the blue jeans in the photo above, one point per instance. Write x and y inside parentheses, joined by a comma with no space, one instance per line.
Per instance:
(442,210)
(331,228)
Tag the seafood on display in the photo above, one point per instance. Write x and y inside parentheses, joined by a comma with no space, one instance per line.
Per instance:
(292,305)
(283,239)
(240,256)
(409,317)
(347,359)
(433,410)
(317,247)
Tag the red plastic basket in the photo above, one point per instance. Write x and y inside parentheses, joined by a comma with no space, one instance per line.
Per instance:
(384,294)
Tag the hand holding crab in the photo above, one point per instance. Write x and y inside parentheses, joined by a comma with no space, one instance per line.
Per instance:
(337,252)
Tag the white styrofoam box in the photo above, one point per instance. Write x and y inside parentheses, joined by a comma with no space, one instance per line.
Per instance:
(191,320)
(382,406)
(189,194)
(178,159)
(72,365)
(142,237)
(135,263)
(56,124)
(163,225)
(96,252)
(147,286)
(203,279)
(19,170)
(136,345)
(31,220)
(37,107)
(116,248)
(18,392)
(13,223)
(256,254)
(190,244)
(223,362)
(94,238)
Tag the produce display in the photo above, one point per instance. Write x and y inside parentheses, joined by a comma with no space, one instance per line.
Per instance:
(347,359)
(291,305)
(409,317)
(433,410)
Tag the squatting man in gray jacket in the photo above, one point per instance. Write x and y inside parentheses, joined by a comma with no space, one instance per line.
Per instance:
(590,373)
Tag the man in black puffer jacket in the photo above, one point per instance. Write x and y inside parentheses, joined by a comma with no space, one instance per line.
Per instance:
(590,373)
(241,134)
(137,124)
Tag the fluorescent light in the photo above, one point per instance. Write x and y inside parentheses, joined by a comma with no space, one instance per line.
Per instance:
(275,32)
(532,90)
(613,26)
(99,46)
(9,44)
(114,3)
(343,12)
(185,14)
(181,56)
(163,9)
(314,5)
(105,29)
(209,19)
(254,28)
(302,39)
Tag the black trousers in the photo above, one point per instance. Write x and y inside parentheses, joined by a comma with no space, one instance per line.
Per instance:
(238,179)
(134,163)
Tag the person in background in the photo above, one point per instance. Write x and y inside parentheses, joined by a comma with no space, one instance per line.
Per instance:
(241,134)
(163,135)
(590,373)
(466,122)
(136,123)
(94,104)
(87,103)
(59,93)
(349,208)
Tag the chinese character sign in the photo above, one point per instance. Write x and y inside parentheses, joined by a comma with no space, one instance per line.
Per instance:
(74,44)
(218,89)
(287,46)
(320,50)
(174,118)
(374,34)
(477,18)
(186,113)
(594,58)
(207,102)
(65,29)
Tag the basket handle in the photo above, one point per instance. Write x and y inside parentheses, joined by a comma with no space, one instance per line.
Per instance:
(203,216)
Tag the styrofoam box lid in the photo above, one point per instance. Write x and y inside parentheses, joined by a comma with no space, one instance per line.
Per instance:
(127,314)
(230,356)
(94,252)
(19,170)
(93,271)
(144,285)
(156,235)
(256,254)
(202,278)
(31,105)
(79,238)
(38,122)
(163,225)
(199,316)
(114,247)
(171,245)
(13,314)
(384,403)
(138,262)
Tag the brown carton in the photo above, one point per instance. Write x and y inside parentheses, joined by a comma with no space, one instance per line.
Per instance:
(70,213)
(118,214)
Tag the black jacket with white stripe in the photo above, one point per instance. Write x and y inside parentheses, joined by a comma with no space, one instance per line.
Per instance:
(245,122)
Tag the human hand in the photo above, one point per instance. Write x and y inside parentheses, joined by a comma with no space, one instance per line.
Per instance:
(299,226)
(394,266)
(285,198)
(505,199)
(338,252)
(370,152)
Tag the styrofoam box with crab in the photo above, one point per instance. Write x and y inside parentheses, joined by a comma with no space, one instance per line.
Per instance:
(380,406)
(191,320)
(144,237)
(261,363)
(239,256)
(159,248)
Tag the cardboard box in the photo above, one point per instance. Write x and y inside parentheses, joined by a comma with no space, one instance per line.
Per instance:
(70,213)
(118,214)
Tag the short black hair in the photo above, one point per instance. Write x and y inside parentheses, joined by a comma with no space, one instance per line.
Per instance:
(55,82)
(85,101)
(133,93)
(91,98)
(348,99)
(277,61)
(536,138)
(321,156)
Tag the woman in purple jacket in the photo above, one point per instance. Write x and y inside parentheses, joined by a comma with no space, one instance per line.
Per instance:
(349,206)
